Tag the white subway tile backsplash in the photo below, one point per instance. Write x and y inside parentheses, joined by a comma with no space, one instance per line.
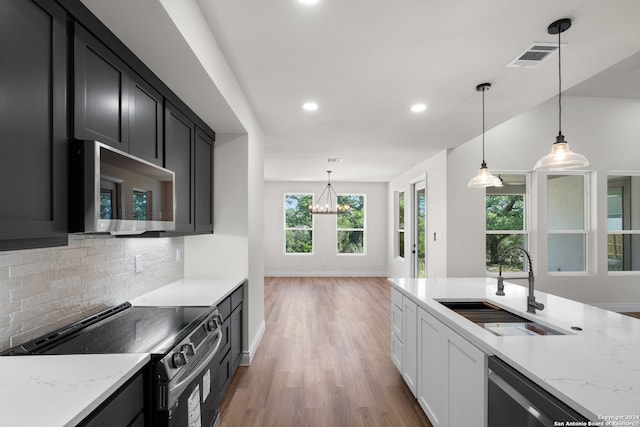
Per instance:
(44,289)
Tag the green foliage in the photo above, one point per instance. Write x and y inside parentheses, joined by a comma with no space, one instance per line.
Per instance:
(297,213)
(504,212)
(139,205)
(354,217)
(299,241)
(106,210)
(350,225)
(422,217)
(298,224)
(401,210)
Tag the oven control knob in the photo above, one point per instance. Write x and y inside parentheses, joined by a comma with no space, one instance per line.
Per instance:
(211,325)
(188,350)
(178,359)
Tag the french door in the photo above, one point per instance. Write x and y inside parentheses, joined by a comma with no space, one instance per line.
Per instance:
(419,230)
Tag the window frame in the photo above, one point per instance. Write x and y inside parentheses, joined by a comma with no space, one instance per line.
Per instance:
(363,229)
(630,232)
(585,231)
(285,228)
(526,231)
(399,246)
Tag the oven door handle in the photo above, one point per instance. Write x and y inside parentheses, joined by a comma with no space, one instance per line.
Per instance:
(176,390)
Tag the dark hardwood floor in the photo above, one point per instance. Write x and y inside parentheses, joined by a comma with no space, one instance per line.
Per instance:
(636,315)
(323,360)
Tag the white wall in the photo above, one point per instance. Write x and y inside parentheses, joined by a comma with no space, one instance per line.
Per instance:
(606,131)
(237,245)
(434,170)
(324,261)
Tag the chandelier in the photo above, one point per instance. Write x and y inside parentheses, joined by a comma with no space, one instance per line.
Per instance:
(327,203)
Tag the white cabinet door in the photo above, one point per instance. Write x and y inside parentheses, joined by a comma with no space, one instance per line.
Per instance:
(396,321)
(409,343)
(452,376)
(431,357)
(467,379)
(396,352)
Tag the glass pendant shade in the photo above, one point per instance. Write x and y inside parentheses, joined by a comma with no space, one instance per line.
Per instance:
(484,179)
(561,157)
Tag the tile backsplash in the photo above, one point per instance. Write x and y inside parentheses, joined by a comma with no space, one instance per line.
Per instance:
(42,290)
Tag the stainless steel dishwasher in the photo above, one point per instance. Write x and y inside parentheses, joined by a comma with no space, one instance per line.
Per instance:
(515,400)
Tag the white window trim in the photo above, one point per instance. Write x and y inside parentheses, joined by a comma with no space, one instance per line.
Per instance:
(589,261)
(363,229)
(609,232)
(285,228)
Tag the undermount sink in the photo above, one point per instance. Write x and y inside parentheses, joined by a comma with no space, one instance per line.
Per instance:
(497,320)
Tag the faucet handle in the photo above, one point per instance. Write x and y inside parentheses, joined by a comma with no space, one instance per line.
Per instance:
(500,290)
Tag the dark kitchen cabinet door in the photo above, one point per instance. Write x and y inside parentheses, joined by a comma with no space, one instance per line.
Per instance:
(203,182)
(33,130)
(145,122)
(101,102)
(179,157)
(236,337)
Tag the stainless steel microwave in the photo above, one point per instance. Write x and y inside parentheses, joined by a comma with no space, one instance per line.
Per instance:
(114,192)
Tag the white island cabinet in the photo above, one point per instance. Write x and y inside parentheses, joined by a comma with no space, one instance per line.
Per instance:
(451,376)
(410,344)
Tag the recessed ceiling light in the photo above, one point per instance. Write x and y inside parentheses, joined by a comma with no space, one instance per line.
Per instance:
(418,108)
(310,106)
(308,2)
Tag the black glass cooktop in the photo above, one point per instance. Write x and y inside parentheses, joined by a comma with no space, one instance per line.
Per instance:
(130,330)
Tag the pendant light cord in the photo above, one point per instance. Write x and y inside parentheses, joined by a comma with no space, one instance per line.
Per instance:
(559,83)
(483,91)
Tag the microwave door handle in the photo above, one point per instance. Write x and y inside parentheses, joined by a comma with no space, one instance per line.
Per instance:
(178,388)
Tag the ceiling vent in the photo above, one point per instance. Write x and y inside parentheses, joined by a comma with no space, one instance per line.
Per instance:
(334,160)
(534,55)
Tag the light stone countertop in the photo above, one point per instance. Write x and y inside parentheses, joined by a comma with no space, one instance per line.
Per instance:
(596,371)
(60,390)
(190,292)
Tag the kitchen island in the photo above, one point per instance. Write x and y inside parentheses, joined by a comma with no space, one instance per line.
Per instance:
(593,367)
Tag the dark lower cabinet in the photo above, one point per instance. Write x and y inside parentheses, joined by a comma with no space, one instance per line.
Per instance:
(125,408)
(101,102)
(33,144)
(230,353)
(179,157)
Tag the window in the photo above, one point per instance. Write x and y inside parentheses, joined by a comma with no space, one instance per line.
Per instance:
(566,223)
(506,223)
(298,224)
(400,224)
(623,219)
(351,225)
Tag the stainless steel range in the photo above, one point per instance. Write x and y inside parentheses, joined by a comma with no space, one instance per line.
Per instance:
(182,342)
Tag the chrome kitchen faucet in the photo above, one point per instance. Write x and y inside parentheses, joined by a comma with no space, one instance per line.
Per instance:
(532,305)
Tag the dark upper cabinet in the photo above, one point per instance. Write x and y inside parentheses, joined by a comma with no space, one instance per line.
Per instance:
(179,157)
(145,122)
(33,130)
(203,182)
(101,100)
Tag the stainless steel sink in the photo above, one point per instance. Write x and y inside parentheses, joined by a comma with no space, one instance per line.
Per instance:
(498,320)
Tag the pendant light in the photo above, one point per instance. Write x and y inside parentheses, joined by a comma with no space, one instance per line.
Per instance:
(561,157)
(327,203)
(484,178)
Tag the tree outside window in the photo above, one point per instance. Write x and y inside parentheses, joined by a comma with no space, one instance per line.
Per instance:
(298,224)
(351,225)
(506,224)
(400,224)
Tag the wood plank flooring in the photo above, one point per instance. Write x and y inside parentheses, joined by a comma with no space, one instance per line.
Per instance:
(323,360)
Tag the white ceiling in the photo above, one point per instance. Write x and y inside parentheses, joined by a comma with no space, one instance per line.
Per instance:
(365,62)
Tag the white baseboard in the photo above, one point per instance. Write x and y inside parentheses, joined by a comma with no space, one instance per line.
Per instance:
(324,273)
(247,356)
(620,307)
